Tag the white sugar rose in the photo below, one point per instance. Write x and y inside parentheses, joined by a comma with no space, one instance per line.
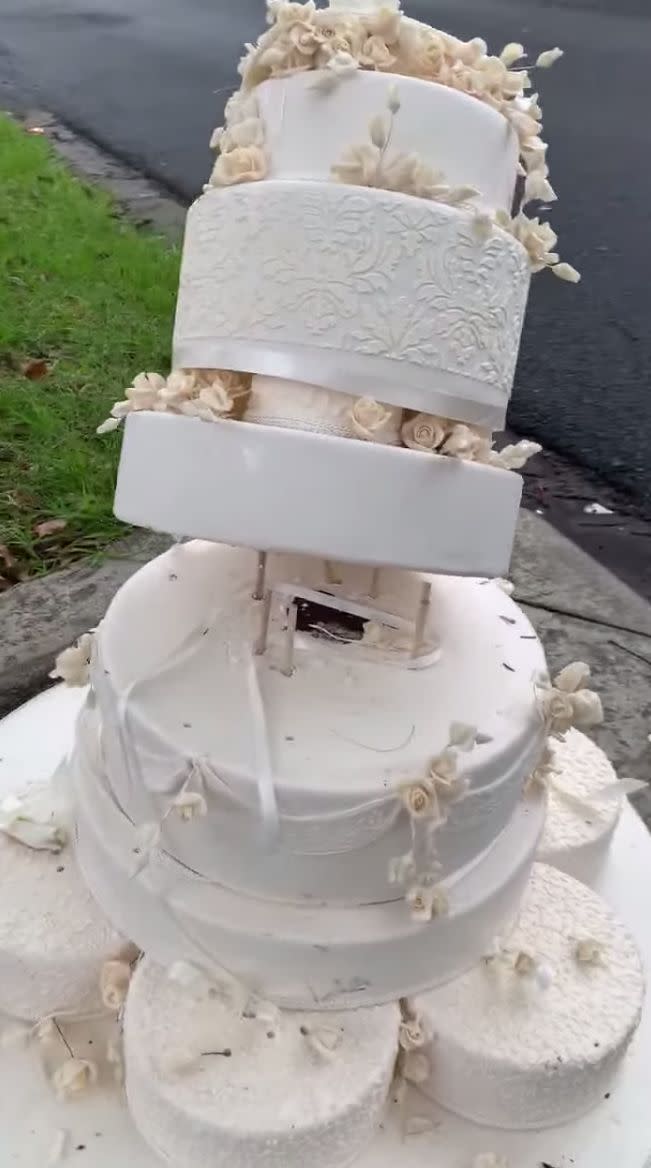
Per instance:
(587,709)
(424,432)
(375,54)
(73,1077)
(72,665)
(415,1067)
(558,711)
(419,799)
(372,421)
(572,677)
(249,132)
(359,165)
(463,442)
(144,392)
(412,1034)
(114,983)
(243,164)
(304,37)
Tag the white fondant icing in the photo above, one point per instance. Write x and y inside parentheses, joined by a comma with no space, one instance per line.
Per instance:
(279,489)
(275,402)
(274,1101)
(364,291)
(307,130)
(53,937)
(508,1053)
(351,725)
(576,838)
(313,956)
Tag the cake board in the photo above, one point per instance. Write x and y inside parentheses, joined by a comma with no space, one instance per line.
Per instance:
(97,1130)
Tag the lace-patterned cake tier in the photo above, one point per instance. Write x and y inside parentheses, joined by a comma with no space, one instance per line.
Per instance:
(212,1079)
(367,292)
(538,1047)
(582,810)
(290,490)
(181,696)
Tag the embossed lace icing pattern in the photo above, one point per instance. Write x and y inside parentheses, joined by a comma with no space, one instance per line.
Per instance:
(324,264)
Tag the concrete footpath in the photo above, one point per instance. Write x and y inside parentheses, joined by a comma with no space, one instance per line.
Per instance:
(579,609)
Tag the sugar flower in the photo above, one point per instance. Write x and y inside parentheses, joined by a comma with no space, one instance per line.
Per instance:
(424,432)
(114,982)
(73,1077)
(72,665)
(426,902)
(372,421)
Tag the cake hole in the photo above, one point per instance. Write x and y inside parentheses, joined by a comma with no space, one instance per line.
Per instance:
(304,1031)
(328,623)
(61,868)
(249,1014)
(271,1033)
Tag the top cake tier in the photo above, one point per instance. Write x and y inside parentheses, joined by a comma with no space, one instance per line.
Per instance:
(307,130)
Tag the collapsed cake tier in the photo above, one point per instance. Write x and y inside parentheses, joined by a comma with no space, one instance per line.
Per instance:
(303,726)
(368,292)
(275,488)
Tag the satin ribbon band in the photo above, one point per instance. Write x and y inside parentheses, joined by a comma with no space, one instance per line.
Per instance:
(413,387)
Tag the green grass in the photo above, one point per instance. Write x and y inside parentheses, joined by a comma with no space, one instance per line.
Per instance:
(86,292)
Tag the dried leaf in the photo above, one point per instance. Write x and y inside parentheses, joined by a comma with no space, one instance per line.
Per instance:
(49,527)
(6,558)
(35,368)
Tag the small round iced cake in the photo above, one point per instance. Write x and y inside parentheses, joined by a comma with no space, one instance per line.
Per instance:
(213,1080)
(53,937)
(581,817)
(532,1036)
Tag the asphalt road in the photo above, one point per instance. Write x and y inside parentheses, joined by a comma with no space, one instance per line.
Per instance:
(148,78)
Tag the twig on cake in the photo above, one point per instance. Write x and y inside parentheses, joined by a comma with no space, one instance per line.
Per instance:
(376,749)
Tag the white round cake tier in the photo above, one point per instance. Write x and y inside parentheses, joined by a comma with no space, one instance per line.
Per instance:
(316,956)
(210,1083)
(511,1050)
(582,808)
(308,127)
(287,490)
(364,291)
(53,937)
(183,696)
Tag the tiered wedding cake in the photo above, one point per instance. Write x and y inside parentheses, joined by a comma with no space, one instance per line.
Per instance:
(310,778)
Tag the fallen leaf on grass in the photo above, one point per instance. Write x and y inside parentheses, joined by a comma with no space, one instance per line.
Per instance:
(35,369)
(49,527)
(6,557)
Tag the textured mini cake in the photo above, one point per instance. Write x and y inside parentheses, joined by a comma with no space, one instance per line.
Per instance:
(582,808)
(53,937)
(533,1036)
(280,1091)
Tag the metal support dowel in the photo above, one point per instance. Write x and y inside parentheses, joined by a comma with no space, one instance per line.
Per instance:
(258,591)
(261,643)
(421,618)
(375,583)
(290,633)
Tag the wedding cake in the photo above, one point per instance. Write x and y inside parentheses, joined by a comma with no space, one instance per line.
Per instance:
(320,750)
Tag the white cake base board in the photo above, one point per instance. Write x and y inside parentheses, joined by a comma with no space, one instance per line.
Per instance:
(618,1132)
